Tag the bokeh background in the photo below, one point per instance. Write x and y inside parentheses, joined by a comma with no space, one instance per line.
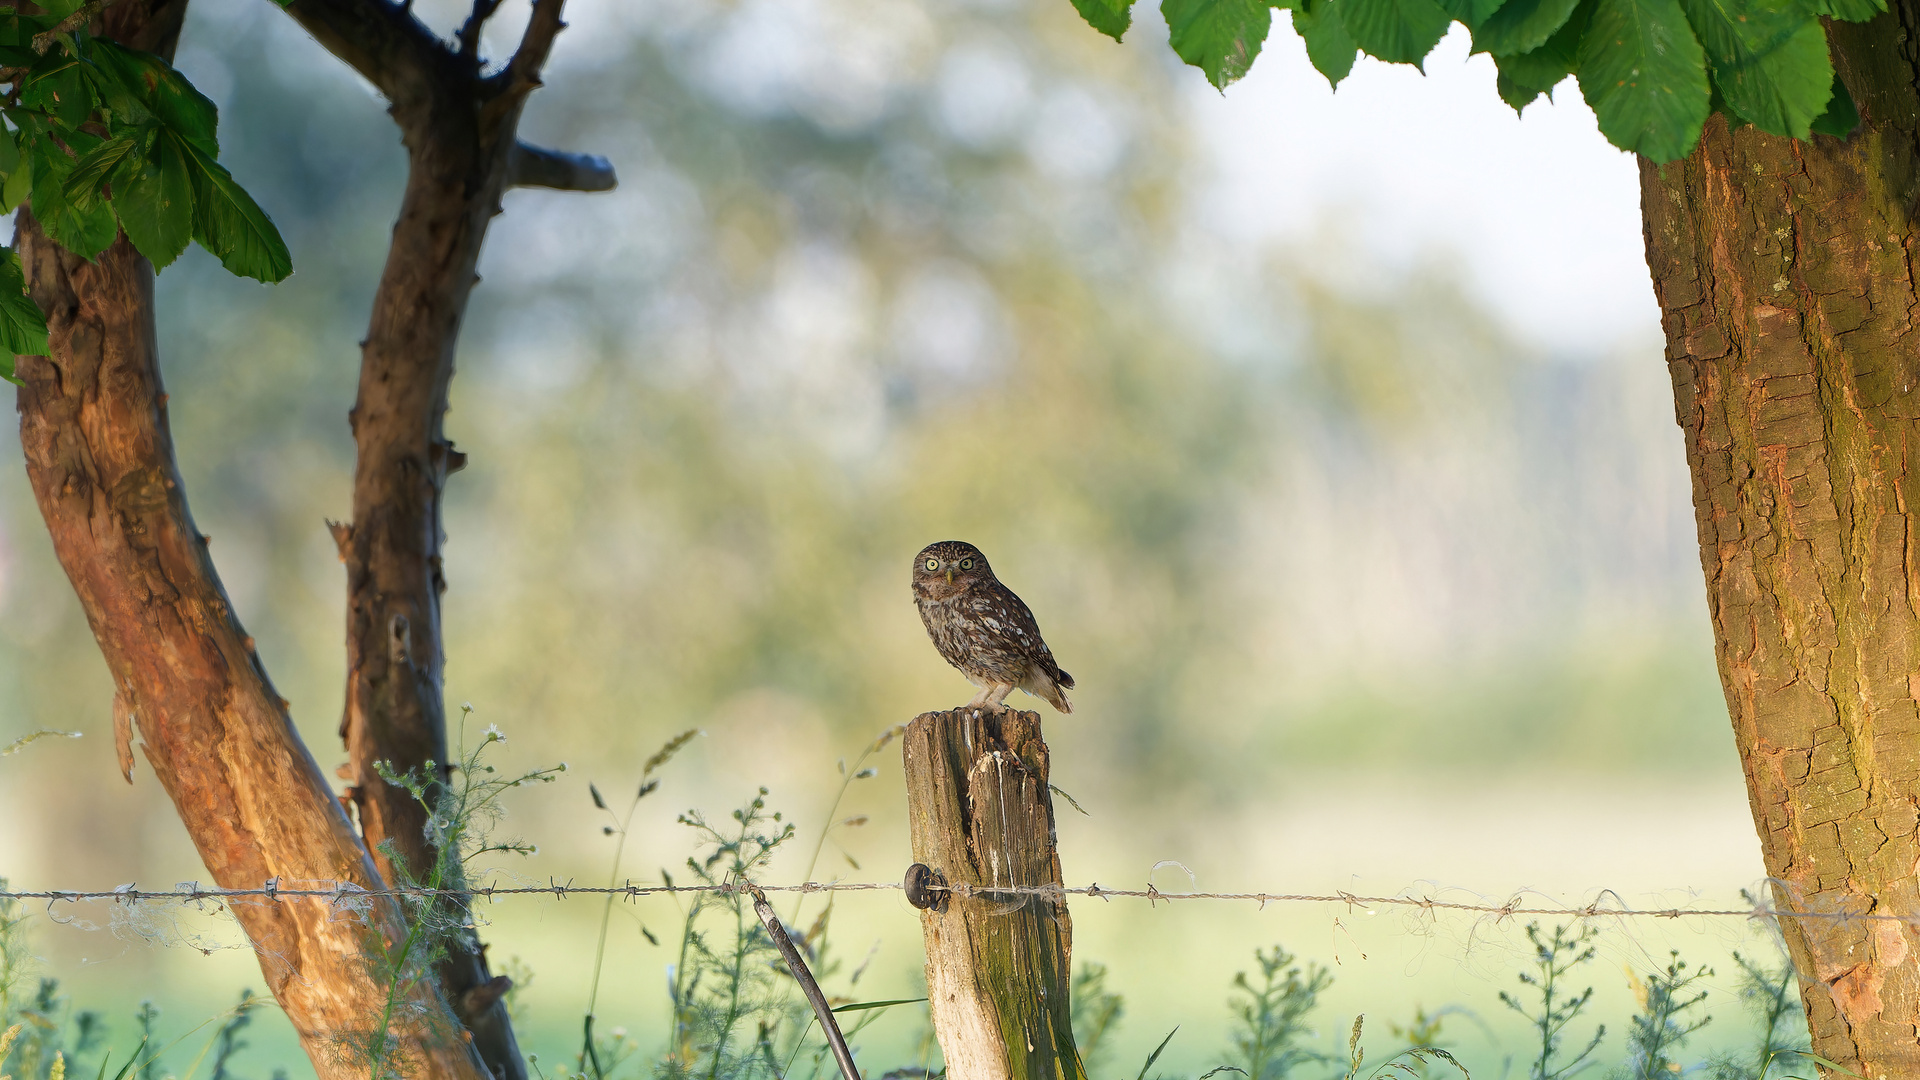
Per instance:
(1327,434)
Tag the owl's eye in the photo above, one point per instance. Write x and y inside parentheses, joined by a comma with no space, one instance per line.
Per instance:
(933,564)
(966,564)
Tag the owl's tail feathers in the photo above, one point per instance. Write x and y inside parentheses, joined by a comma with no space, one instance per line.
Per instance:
(1051,686)
(1058,698)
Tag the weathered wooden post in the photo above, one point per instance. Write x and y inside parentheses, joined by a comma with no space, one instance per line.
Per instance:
(998,962)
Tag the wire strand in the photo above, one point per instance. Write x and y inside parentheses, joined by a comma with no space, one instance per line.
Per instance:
(339,892)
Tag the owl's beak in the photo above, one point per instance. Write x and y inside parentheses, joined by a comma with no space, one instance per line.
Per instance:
(949,577)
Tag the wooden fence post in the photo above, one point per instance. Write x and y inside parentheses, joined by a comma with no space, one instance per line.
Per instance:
(998,964)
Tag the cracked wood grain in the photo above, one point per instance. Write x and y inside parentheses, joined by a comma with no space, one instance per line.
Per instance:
(1785,276)
(998,968)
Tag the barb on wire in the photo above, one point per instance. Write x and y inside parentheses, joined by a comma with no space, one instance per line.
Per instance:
(335,892)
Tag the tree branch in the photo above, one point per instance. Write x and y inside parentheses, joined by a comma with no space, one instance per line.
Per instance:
(522,73)
(470,30)
(534,166)
(383,42)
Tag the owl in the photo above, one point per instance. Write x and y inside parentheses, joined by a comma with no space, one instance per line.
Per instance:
(983,629)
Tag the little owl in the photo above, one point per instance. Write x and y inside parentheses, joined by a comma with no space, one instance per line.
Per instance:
(983,629)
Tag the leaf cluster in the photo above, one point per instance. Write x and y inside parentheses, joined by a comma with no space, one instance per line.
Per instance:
(1772,995)
(101,139)
(1555,957)
(1668,1001)
(1652,70)
(725,975)
(462,810)
(1272,1015)
(1096,1012)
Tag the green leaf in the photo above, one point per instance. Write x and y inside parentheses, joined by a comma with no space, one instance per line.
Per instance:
(1527,75)
(1522,26)
(23,329)
(1719,104)
(1516,95)
(1220,37)
(1110,17)
(19,183)
(116,96)
(1770,63)
(1329,46)
(56,86)
(155,204)
(228,223)
(82,186)
(1397,31)
(164,91)
(1155,1056)
(84,230)
(1841,116)
(9,152)
(1471,12)
(1645,77)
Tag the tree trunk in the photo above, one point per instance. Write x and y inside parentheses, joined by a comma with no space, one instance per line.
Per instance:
(395,661)
(459,128)
(100,458)
(998,965)
(1786,283)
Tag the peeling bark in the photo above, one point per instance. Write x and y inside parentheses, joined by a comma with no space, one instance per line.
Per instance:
(101,461)
(1786,279)
(100,458)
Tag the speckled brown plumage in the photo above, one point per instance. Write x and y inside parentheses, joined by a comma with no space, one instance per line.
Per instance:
(982,628)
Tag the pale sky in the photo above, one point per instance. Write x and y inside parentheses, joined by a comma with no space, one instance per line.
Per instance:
(1541,212)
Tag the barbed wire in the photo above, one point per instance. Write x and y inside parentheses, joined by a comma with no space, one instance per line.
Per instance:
(338,892)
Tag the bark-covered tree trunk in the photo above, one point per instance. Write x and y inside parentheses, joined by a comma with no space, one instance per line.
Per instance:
(100,458)
(1785,275)
(93,424)
(459,127)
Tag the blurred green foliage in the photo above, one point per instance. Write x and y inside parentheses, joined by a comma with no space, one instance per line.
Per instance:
(879,274)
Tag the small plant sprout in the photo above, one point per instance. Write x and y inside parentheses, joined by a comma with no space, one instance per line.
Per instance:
(1155,1056)
(716,988)
(1773,996)
(461,815)
(1667,1001)
(1555,958)
(590,1057)
(847,777)
(1095,1011)
(1410,1063)
(1273,1015)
